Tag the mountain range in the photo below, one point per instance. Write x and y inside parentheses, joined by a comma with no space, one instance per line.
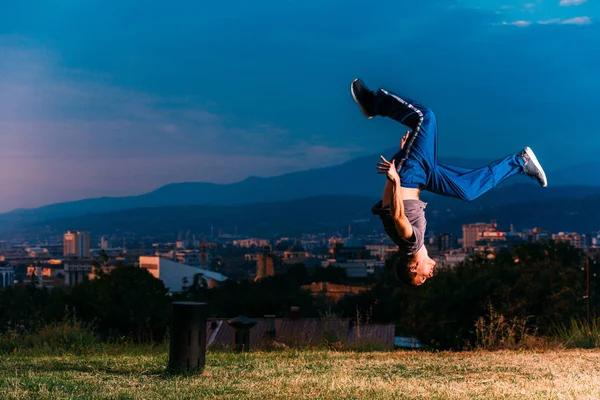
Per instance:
(324,199)
(356,177)
(323,214)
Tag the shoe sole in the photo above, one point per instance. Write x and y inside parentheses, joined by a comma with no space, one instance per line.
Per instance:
(537,164)
(357,102)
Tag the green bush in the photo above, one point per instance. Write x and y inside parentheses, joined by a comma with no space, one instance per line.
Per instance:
(579,333)
(69,336)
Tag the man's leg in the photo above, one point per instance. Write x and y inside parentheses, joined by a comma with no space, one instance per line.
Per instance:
(418,117)
(468,184)
(418,160)
(418,154)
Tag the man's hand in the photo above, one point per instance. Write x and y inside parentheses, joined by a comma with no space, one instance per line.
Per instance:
(404,139)
(388,168)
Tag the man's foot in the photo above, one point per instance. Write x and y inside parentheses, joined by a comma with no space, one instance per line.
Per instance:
(363,97)
(533,167)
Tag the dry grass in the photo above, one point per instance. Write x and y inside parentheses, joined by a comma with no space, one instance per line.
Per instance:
(311,374)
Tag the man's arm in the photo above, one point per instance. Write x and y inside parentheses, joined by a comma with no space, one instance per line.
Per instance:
(387,190)
(403,225)
(395,200)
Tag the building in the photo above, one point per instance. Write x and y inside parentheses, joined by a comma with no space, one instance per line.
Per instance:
(77,270)
(350,249)
(252,242)
(201,258)
(358,269)
(295,253)
(587,240)
(54,251)
(446,241)
(189,257)
(7,275)
(381,251)
(473,232)
(311,245)
(534,235)
(76,243)
(16,253)
(38,252)
(264,264)
(48,274)
(449,260)
(570,237)
(353,257)
(173,273)
(104,243)
(331,291)
(490,238)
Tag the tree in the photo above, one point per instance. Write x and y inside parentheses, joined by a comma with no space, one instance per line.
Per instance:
(128,302)
(540,282)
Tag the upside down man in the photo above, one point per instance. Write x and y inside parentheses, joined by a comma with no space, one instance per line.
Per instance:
(415,168)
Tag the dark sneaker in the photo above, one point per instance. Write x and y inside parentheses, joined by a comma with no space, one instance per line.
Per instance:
(533,167)
(363,97)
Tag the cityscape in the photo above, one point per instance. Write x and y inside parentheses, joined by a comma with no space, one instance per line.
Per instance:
(76,256)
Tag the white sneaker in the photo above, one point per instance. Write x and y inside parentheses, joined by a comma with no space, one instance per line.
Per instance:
(533,167)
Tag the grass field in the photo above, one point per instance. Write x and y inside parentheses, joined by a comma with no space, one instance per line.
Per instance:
(139,373)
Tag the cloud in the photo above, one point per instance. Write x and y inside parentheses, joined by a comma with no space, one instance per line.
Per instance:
(520,23)
(550,21)
(577,21)
(555,21)
(571,21)
(45,108)
(571,2)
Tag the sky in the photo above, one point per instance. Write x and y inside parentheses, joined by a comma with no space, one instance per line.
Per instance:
(109,98)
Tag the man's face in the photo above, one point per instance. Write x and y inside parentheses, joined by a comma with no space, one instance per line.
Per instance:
(422,267)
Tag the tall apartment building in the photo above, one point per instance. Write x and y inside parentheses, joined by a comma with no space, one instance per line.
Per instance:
(264,264)
(76,244)
(473,232)
(104,243)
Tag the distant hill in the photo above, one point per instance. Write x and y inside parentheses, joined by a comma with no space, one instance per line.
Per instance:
(327,214)
(353,178)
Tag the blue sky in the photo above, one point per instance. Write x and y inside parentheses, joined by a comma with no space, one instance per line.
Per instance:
(111,98)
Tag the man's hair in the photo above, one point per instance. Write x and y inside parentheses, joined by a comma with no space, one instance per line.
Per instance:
(400,263)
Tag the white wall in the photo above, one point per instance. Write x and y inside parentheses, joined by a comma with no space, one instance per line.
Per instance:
(172,273)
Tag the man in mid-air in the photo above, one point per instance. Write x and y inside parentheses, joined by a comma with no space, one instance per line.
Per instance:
(415,168)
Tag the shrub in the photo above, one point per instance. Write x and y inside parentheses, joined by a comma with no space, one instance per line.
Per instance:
(69,335)
(579,333)
(495,332)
